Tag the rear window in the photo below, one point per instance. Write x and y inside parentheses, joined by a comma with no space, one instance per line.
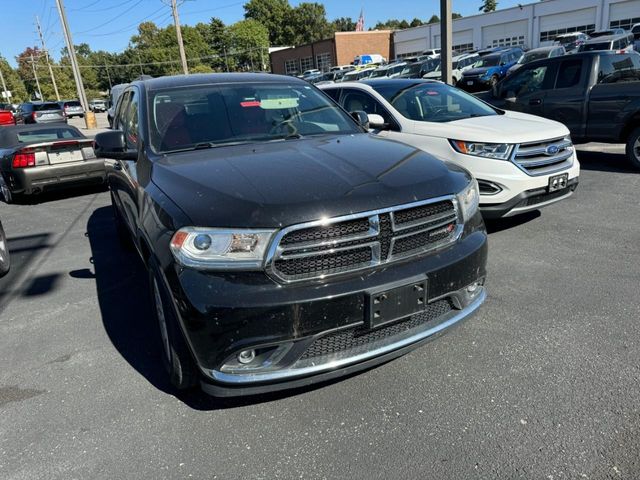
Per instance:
(46,106)
(591,47)
(212,115)
(619,69)
(46,135)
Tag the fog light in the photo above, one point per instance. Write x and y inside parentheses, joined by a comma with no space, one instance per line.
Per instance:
(473,287)
(246,356)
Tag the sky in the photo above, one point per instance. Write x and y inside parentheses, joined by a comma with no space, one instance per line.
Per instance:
(109,24)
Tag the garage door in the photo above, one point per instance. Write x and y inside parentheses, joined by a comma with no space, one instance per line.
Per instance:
(505,34)
(462,41)
(410,47)
(583,20)
(624,14)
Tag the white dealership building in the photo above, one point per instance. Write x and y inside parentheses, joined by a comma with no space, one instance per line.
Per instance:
(531,25)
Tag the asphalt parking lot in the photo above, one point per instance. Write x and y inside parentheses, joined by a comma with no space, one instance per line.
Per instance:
(544,383)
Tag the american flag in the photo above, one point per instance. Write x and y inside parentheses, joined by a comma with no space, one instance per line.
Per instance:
(360,23)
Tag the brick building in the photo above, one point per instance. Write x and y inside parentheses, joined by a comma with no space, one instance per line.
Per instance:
(339,50)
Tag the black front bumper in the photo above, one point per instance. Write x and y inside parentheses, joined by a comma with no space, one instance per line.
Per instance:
(49,177)
(528,201)
(223,314)
(477,84)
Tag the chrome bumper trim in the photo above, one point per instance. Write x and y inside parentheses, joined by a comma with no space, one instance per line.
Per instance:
(287,374)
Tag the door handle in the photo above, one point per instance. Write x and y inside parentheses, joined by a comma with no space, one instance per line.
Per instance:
(535,101)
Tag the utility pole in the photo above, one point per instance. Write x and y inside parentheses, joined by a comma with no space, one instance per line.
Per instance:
(446,40)
(35,75)
(106,69)
(46,56)
(4,86)
(89,116)
(176,20)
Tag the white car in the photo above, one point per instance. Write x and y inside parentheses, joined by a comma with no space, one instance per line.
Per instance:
(459,64)
(522,162)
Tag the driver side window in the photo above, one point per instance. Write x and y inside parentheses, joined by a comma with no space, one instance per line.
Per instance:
(353,100)
(527,80)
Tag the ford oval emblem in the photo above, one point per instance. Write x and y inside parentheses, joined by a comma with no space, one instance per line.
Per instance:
(552,150)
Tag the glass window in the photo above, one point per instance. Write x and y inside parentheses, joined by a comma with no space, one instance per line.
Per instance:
(46,106)
(131,122)
(48,135)
(488,61)
(569,73)
(524,81)
(123,105)
(291,66)
(333,93)
(619,69)
(433,102)
(306,64)
(354,100)
(211,115)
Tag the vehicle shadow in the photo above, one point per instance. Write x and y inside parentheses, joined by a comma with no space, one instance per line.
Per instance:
(604,161)
(123,297)
(495,225)
(62,194)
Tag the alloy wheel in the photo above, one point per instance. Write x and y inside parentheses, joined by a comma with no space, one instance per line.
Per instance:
(636,148)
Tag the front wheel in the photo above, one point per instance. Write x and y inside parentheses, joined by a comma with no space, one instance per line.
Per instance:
(633,148)
(7,196)
(493,81)
(454,81)
(176,357)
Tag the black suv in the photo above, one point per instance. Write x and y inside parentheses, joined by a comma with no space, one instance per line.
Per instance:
(286,245)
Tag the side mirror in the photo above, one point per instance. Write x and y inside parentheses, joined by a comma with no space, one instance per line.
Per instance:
(502,64)
(377,122)
(111,144)
(362,118)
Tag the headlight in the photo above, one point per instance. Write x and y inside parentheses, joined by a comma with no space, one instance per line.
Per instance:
(220,249)
(501,151)
(468,200)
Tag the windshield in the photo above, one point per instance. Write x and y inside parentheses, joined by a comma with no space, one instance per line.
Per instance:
(487,62)
(206,116)
(532,56)
(602,33)
(590,47)
(379,73)
(46,106)
(433,102)
(567,40)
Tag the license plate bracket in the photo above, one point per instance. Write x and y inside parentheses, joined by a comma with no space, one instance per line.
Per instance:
(396,301)
(558,182)
(469,82)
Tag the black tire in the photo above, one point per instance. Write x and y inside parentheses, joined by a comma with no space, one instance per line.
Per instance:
(633,148)
(454,81)
(5,259)
(124,237)
(81,116)
(6,193)
(493,81)
(176,356)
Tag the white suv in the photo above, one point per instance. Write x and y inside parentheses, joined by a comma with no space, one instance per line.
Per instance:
(459,64)
(522,162)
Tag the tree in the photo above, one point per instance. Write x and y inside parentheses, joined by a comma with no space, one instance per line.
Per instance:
(416,22)
(272,14)
(488,6)
(455,15)
(247,44)
(344,24)
(392,24)
(308,23)
(14,83)
(434,19)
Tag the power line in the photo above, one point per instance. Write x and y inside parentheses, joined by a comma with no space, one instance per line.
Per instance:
(133,25)
(102,9)
(112,19)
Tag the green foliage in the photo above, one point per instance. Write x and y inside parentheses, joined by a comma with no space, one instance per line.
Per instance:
(434,19)
(344,24)
(13,81)
(273,14)
(392,24)
(488,6)
(247,44)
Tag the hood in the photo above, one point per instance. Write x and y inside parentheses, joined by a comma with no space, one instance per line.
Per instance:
(514,67)
(476,71)
(512,127)
(287,182)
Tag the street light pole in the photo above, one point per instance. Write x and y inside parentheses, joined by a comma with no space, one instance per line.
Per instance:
(89,116)
(446,40)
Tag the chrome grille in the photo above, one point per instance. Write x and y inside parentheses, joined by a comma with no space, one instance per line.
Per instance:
(543,158)
(364,240)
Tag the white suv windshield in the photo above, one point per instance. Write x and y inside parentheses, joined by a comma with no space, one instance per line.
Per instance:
(207,116)
(433,102)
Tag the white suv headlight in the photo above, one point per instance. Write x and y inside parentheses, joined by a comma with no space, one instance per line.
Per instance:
(469,200)
(220,249)
(501,151)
